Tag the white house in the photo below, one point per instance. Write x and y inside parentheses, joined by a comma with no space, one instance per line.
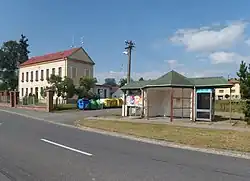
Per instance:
(33,73)
(224,93)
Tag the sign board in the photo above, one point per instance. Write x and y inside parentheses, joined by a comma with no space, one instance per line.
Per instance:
(204,90)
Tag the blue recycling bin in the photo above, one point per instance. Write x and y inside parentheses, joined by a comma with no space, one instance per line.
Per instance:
(80,104)
(85,103)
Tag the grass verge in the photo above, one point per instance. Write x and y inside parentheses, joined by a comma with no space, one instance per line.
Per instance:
(198,137)
(62,107)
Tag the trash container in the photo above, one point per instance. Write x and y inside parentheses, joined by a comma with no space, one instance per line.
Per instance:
(80,104)
(85,103)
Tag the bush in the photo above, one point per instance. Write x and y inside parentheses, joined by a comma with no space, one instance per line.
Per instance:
(224,106)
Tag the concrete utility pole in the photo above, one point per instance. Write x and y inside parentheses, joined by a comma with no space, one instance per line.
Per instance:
(129,47)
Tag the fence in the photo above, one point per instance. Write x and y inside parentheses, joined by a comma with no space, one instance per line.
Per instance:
(4,97)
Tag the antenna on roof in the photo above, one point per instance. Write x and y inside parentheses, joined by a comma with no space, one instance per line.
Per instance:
(73,42)
(82,41)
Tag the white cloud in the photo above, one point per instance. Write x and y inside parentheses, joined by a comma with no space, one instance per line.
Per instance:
(227,57)
(209,38)
(156,74)
(134,75)
(173,64)
(247,41)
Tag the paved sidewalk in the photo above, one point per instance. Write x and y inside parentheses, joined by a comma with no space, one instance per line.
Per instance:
(67,117)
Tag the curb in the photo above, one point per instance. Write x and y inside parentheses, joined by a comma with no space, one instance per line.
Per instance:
(235,154)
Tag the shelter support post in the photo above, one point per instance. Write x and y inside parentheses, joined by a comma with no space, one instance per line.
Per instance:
(172,105)
(230,106)
(124,105)
(142,98)
(193,104)
(182,99)
(147,100)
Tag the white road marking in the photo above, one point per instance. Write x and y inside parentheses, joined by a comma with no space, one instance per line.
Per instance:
(66,147)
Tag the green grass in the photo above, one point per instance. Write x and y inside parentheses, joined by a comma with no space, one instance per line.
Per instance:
(198,137)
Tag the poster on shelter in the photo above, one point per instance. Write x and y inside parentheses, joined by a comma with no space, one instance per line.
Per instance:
(134,101)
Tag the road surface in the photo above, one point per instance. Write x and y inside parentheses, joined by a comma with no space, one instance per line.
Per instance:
(36,150)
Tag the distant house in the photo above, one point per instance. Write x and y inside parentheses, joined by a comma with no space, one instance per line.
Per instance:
(117,94)
(224,93)
(34,73)
(104,91)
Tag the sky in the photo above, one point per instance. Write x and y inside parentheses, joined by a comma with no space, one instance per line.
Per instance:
(195,38)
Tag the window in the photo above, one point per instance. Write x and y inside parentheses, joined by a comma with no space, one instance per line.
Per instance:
(27,76)
(232,90)
(237,97)
(22,77)
(69,72)
(42,76)
(73,72)
(53,71)
(36,92)
(27,91)
(47,74)
(31,76)
(60,71)
(221,91)
(22,92)
(87,72)
(31,90)
(36,75)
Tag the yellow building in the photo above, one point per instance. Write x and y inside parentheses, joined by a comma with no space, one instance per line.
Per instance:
(33,73)
(223,94)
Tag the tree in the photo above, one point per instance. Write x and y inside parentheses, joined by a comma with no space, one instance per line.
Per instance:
(244,76)
(12,53)
(56,85)
(68,88)
(123,81)
(24,52)
(141,79)
(85,86)
(110,81)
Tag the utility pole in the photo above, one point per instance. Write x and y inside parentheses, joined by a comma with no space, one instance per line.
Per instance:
(129,47)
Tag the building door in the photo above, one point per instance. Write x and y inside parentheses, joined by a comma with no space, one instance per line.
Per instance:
(36,92)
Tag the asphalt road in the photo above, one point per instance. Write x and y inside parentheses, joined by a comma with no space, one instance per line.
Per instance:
(36,150)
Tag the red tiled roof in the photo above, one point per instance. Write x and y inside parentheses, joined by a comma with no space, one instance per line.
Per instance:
(233,81)
(50,57)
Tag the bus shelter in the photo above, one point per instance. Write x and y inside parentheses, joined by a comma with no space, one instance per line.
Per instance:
(174,96)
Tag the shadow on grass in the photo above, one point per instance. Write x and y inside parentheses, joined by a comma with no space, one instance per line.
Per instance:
(218,118)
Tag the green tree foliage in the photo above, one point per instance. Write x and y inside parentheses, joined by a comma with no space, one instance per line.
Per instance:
(24,52)
(62,87)
(12,54)
(110,81)
(85,86)
(244,77)
(123,81)
(55,82)
(141,79)
(68,88)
